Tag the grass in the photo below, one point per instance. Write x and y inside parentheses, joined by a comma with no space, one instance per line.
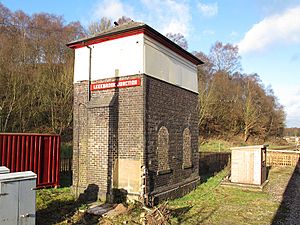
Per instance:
(213,204)
(54,205)
(46,197)
(59,206)
(214,145)
(210,203)
(282,147)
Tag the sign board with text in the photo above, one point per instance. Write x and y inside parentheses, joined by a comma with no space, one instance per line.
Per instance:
(116,84)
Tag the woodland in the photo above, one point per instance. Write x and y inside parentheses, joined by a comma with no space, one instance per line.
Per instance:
(36,81)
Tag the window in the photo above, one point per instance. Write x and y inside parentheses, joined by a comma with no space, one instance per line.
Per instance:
(163,149)
(187,148)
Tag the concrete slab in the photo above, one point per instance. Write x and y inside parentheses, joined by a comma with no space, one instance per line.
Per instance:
(108,210)
(254,187)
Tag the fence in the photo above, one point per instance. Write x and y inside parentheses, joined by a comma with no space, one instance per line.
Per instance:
(65,165)
(215,161)
(211,162)
(35,152)
(282,158)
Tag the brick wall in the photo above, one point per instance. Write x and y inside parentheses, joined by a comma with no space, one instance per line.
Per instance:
(80,141)
(176,109)
(107,129)
(116,132)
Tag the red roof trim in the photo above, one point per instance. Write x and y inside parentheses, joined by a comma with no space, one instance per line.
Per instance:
(109,37)
(149,32)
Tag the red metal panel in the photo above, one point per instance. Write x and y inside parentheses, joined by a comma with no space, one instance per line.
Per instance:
(31,149)
(49,160)
(18,153)
(39,160)
(22,167)
(1,149)
(27,152)
(53,158)
(4,146)
(13,164)
(39,153)
(1,152)
(57,160)
(9,152)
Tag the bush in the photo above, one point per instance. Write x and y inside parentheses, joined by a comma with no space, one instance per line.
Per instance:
(66,150)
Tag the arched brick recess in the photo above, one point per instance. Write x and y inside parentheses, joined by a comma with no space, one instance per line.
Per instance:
(187,149)
(163,149)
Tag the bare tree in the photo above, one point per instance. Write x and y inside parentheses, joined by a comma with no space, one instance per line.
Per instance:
(36,71)
(225,58)
(124,19)
(98,26)
(208,65)
(179,39)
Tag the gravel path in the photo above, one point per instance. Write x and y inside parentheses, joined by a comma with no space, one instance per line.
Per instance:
(289,195)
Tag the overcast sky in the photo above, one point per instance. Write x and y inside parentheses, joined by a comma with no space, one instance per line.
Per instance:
(266,31)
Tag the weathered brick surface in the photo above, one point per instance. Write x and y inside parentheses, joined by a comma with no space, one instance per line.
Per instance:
(163,149)
(106,128)
(80,142)
(187,148)
(176,109)
(123,124)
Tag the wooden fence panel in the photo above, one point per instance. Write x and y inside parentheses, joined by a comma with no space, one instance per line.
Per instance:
(282,158)
(210,162)
(65,164)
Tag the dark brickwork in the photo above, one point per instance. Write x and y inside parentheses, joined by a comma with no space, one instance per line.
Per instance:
(176,109)
(163,149)
(119,125)
(187,148)
(80,138)
(108,127)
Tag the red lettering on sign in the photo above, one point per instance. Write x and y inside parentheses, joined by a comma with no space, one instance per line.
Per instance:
(116,84)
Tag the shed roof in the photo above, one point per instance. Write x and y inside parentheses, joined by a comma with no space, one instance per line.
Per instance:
(251,147)
(132,28)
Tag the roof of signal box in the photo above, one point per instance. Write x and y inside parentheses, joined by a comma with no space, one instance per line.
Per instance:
(129,29)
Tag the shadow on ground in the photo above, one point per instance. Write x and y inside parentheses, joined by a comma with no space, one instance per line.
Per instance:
(65,179)
(198,217)
(64,209)
(289,210)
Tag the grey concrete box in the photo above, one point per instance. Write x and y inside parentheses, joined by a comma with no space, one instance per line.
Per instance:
(17,198)
(4,169)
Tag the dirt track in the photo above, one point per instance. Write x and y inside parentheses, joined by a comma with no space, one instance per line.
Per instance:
(289,196)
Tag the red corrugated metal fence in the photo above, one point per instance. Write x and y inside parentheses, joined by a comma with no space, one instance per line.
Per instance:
(39,153)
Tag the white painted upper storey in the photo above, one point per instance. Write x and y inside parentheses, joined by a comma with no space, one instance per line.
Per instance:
(136,54)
